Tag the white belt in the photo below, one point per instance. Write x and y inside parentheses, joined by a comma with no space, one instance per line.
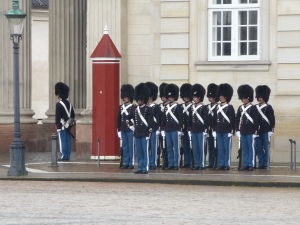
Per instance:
(197,114)
(141,116)
(259,108)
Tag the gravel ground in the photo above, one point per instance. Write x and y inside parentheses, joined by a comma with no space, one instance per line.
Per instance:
(34,202)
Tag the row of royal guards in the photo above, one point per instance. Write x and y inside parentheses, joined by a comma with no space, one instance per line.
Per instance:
(181,133)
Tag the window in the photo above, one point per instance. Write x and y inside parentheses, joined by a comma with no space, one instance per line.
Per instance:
(233,30)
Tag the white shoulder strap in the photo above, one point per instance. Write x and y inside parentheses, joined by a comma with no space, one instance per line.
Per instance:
(259,108)
(141,116)
(68,112)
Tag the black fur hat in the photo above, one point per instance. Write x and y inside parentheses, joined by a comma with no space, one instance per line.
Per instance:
(162,92)
(153,89)
(62,90)
(127,90)
(226,91)
(172,91)
(263,91)
(198,91)
(142,92)
(186,91)
(245,91)
(212,91)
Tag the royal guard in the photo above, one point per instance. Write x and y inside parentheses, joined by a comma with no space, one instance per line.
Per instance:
(156,113)
(162,142)
(266,125)
(171,126)
(64,120)
(186,96)
(225,126)
(126,126)
(142,124)
(213,98)
(198,126)
(247,123)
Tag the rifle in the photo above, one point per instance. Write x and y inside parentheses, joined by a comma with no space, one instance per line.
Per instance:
(158,150)
(215,164)
(240,154)
(121,154)
(164,153)
(181,163)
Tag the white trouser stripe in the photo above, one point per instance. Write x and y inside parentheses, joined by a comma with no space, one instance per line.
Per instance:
(178,150)
(155,151)
(147,166)
(60,144)
(229,152)
(253,150)
(133,155)
(203,136)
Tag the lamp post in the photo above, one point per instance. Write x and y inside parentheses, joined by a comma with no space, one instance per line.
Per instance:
(15,18)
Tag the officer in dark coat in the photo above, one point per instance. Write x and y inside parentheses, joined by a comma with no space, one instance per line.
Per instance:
(198,126)
(213,98)
(143,120)
(155,111)
(225,126)
(247,124)
(172,125)
(266,125)
(126,126)
(64,115)
(186,96)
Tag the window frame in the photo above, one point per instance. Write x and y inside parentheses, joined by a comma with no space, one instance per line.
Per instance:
(235,8)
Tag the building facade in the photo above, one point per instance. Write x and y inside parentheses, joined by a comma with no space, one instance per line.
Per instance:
(197,41)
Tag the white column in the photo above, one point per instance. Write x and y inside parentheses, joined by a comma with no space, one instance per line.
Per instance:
(67,51)
(112,13)
(6,67)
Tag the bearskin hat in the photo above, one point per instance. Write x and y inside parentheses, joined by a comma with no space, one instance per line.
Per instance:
(198,91)
(226,91)
(153,89)
(162,92)
(62,90)
(127,90)
(245,91)
(142,92)
(263,91)
(186,91)
(212,91)
(172,91)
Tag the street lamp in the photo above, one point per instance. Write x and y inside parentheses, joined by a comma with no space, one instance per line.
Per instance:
(15,18)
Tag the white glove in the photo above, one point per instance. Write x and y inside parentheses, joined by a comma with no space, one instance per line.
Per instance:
(179,133)
(255,135)
(204,133)
(229,135)
(131,128)
(270,134)
(163,133)
(147,138)
(238,134)
(119,134)
(190,134)
(214,134)
(157,133)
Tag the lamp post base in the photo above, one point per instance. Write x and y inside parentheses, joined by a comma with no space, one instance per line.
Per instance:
(17,159)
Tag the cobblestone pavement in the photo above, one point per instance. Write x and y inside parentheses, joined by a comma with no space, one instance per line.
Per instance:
(36,202)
